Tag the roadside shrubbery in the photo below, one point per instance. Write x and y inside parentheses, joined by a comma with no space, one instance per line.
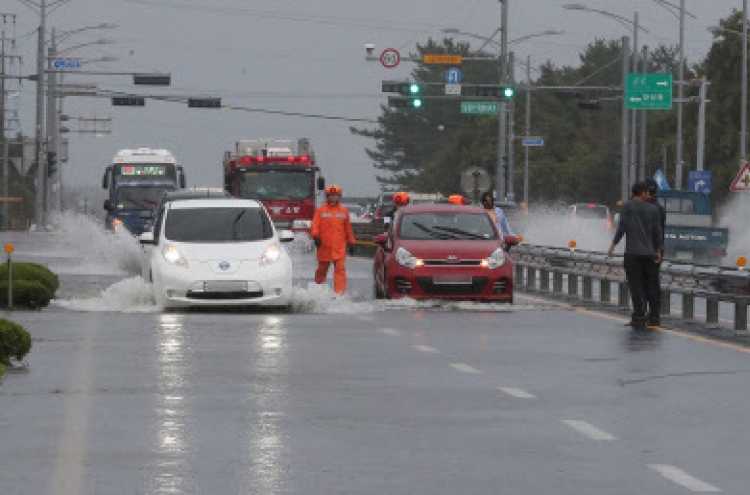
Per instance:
(15,342)
(33,285)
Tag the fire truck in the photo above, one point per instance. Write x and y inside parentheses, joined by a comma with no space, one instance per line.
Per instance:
(283,177)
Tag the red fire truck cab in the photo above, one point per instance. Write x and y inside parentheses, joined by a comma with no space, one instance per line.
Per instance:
(282,177)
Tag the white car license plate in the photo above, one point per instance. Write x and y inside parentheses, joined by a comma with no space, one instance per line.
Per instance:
(226,286)
(457,279)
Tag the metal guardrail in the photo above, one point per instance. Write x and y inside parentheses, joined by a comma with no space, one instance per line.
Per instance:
(538,266)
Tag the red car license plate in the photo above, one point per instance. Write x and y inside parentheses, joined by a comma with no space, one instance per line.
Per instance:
(458,279)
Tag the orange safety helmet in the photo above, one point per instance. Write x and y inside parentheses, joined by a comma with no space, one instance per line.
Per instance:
(401,198)
(333,189)
(456,199)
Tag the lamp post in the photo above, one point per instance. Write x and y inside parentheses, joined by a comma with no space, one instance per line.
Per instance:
(502,135)
(628,173)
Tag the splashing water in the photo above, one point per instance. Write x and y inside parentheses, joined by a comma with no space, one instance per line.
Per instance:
(100,251)
(734,217)
(130,295)
(552,226)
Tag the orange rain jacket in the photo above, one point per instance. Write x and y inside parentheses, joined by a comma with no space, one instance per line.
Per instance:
(333,226)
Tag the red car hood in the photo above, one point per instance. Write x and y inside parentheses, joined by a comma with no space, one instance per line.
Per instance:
(472,250)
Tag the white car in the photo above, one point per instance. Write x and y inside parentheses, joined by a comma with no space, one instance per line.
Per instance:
(217,252)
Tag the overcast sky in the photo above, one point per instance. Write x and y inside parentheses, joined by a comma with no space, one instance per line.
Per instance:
(297,56)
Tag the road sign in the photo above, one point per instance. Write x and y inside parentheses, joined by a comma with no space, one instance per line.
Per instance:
(474,180)
(700,181)
(390,58)
(62,63)
(453,89)
(648,91)
(480,107)
(742,181)
(442,59)
(661,181)
(533,142)
(453,76)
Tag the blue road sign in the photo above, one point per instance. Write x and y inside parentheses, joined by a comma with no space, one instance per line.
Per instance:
(533,142)
(66,64)
(700,181)
(453,76)
(661,181)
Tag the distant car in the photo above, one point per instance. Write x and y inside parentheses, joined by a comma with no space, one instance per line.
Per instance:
(590,217)
(218,252)
(443,251)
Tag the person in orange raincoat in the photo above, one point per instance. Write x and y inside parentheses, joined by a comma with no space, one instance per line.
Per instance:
(333,236)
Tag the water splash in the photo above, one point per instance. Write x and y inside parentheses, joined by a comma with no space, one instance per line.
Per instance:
(130,295)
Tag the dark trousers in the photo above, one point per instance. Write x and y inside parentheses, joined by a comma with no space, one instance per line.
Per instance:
(642,275)
(653,289)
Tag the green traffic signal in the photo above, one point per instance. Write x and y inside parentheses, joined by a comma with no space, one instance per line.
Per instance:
(416,103)
(508,92)
(414,89)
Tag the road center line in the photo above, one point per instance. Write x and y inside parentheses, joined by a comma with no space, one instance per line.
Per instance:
(426,348)
(464,368)
(516,392)
(589,430)
(677,475)
(391,331)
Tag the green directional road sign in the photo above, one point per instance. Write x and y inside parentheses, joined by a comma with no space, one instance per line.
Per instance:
(648,92)
(480,107)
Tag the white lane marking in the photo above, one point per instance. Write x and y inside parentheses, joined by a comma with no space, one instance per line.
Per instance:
(516,392)
(391,331)
(677,475)
(464,368)
(589,430)
(426,348)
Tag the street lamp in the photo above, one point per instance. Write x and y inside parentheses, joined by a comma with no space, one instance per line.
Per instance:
(67,34)
(504,72)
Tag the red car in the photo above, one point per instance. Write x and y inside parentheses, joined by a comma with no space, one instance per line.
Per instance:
(443,251)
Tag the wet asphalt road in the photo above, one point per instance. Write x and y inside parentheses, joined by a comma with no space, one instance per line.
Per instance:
(364,397)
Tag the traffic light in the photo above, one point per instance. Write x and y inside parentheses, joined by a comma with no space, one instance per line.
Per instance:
(51,163)
(405,88)
(489,90)
(204,102)
(405,102)
(152,79)
(589,105)
(128,101)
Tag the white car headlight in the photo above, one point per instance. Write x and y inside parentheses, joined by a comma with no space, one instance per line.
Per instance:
(271,255)
(302,224)
(496,259)
(173,256)
(405,258)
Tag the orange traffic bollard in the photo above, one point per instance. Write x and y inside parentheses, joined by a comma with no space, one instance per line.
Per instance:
(572,245)
(9,248)
(741,262)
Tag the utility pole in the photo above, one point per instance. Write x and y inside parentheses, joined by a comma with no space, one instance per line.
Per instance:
(643,122)
(501,152)
(701,124)
(41,159)
(624,183)
(680,96)
(51,120)
(633,174)
(743,111)
(511,129)
(528,131)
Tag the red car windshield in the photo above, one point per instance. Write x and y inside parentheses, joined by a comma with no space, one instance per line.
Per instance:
(446,226)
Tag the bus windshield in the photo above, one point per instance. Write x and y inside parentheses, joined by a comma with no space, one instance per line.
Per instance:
(276,184)
(139,197)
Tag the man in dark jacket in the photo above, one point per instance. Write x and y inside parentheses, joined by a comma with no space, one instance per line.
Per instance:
(640,224)
(653,284)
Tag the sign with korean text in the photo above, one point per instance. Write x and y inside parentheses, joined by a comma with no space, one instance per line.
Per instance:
(648,91)
(442,59)
(480,107)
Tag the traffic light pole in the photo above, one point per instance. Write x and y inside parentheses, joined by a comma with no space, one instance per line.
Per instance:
(52,127)
(624,182)
(502,136)
(511,130)
(41,174)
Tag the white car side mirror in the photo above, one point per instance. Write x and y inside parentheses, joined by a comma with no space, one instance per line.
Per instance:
(286,236)
(147,238)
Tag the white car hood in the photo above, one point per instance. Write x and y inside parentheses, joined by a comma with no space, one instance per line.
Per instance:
(225,257)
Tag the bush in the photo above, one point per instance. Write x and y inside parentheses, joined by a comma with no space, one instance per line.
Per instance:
(26,293)
(32,272)
(15,342)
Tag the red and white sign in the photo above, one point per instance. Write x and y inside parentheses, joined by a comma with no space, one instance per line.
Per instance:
(742,181)
(390,58)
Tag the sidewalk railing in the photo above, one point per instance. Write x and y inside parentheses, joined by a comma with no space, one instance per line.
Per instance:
(560,271)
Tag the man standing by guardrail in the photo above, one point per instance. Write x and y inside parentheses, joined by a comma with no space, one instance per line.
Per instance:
(641,225)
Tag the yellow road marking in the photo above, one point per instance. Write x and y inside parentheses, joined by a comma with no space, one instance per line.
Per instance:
(677,333)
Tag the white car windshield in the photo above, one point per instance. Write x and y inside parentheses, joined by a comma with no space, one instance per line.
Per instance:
(217,225)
